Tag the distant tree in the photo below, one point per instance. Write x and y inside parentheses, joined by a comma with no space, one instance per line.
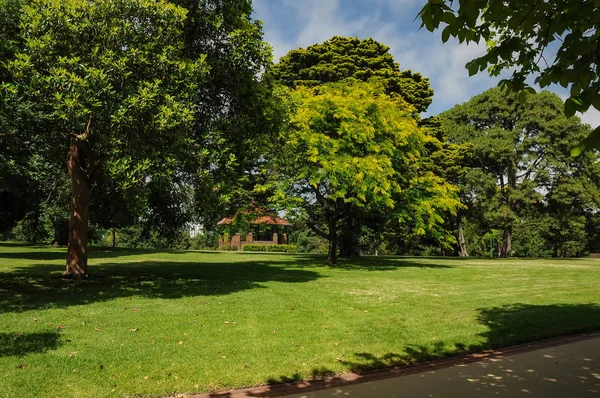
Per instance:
(351,144)
(520,159)
(555,41)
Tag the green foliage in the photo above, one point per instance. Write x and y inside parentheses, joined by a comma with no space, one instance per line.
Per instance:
(307,241)
(351,145)
(520,34)
(521,167)
(104,71)
(270,248)
(340,58)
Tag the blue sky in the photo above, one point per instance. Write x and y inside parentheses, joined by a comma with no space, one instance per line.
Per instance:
(290,24)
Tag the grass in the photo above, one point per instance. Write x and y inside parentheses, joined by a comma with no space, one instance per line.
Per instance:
(158,323)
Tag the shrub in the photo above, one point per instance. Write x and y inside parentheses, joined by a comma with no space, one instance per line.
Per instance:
(282,248)
(254,248)
(270,248)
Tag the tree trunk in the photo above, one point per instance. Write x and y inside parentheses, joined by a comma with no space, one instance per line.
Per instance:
(350,242)
(506,247)
(79,166)
(332,255)
(114,238)
(462,243)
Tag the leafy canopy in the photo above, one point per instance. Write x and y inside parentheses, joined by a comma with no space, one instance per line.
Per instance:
(557,42)
(116,67)
(350,143)
(340,58)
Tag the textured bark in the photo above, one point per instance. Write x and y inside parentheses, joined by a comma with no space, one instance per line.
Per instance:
(350,242)
(79,165)
(114,238)
(462,243)
(506,247)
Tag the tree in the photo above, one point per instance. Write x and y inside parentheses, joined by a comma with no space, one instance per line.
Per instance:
(114,88)
(349,143)
(340,58)
(520,156)
(524,36)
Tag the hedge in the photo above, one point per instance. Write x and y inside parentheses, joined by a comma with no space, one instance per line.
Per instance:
(270,248)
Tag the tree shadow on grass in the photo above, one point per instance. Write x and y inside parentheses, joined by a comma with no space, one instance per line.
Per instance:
(21,344)
(370,263)
(41,286)
(508,325)
(52,253)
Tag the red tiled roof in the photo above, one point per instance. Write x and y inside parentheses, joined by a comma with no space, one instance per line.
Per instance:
(268,220)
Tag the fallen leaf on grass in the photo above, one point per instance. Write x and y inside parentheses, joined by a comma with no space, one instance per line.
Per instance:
(134,330)
(60,327)
(71,355)
(21,366)
(35,319)
(180,343)
(98,330)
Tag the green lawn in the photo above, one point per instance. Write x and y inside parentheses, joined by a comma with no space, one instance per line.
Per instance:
(158,323)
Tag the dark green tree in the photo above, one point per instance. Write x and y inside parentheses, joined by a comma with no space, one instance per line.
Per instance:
(114,90)
(520,156)
(556,42)
(340,58)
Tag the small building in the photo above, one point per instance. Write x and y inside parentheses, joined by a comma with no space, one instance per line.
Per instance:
(262,229)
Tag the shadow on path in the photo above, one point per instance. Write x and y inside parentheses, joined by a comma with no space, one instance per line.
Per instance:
(508,325)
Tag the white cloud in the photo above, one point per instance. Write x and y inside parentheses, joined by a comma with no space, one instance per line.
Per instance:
(290,24)
(591,117)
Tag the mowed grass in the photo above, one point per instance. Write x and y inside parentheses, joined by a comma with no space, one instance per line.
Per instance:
(155,323)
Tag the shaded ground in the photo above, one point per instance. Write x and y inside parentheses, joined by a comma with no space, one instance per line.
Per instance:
(569,370)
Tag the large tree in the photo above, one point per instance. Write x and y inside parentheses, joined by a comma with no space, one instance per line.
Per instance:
(520,157)
(341,58)
(350,144)
(557,42)
(114,88)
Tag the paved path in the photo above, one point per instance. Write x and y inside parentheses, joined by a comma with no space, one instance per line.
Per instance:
(570,370)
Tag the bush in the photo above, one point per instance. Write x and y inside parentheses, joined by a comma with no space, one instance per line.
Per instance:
(270,248)
(254,248)
(282,248)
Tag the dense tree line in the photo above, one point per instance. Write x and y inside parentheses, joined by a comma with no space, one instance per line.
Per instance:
(142,116)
